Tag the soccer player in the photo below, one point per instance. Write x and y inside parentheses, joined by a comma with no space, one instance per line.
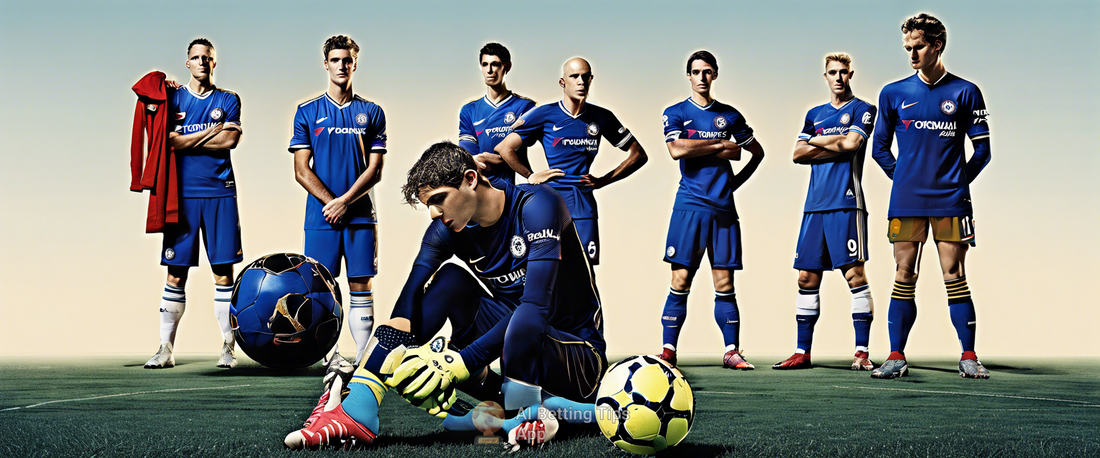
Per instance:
(484,122)
(704,135)
(205,124)
(834,219)
(339,144)
(929,113)
(541,315)
(570,132)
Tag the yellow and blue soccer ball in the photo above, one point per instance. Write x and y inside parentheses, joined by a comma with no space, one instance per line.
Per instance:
(644,405)
(285,310)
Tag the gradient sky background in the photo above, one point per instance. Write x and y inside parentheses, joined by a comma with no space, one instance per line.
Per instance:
(81,277)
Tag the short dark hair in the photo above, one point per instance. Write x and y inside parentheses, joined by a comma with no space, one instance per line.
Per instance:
(442,164)
(495,49)
(340,42)
(704,56)
(933,29)
(199,41)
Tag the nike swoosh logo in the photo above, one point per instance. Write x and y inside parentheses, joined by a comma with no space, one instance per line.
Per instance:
(904,106)
(688,122)
(322,119)
(479,122)
(819,122)
(475,261)
(556,128)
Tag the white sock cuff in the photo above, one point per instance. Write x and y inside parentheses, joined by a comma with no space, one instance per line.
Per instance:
(862,301)
(223,293)
(173,293)
(808,304)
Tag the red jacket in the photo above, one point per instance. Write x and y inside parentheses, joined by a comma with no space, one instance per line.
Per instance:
(160,174)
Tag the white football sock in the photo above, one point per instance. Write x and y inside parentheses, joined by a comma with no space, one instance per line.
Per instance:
(361,320)
(172,304)
(223,294)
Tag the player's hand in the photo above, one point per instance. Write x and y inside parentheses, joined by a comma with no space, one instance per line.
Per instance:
(487,161)
(172,84)
(334,210)
(429,371)
(533,432)
(593,181)
(545,175)
(730,151)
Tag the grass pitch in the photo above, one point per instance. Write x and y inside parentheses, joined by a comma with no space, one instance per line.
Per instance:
(113,407)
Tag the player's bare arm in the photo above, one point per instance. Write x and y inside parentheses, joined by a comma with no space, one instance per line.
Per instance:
(305,177)
(507,149)
(195,139)
(228,138)
(683,148)
(636,159)
(826,147)
(757,152)
(335,208)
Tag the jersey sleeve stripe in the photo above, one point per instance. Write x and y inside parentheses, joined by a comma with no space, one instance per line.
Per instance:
(299,146)
(980,136)
(805,137)
(746,142)
(625,140)
(857,129)
(467,138)
(671,136)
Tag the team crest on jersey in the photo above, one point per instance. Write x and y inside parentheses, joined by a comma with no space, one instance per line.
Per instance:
(518,247)
(671,251)
(169,253)
(361,118)
(948,107)
(844,118)
(720,122)
(217,114)
(593,129)
(509,117)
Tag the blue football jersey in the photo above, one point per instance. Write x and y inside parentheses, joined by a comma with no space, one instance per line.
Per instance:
(204,173)
(837,183)
(482,125)
(571,143)
(341,138)
(929,121)
(705,181)
(535,225)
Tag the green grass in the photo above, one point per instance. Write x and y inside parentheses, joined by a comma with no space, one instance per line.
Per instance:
(1029,408)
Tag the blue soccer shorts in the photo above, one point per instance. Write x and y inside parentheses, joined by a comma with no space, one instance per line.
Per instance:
(357,245)
(588,230)
(830,240)
(691,233)
(217,220)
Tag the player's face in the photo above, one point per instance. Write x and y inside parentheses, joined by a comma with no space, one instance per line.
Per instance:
(922,54)
(576,79)
(493,69)
(839,77)
(340,65)
(701,76)
(200,61)
(454,207)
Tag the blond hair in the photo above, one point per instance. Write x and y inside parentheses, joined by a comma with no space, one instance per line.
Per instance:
(843,58)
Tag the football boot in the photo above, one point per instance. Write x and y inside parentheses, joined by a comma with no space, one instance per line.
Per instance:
(163,359)
(733,360)
(796,361)
(895,366)
(862,361)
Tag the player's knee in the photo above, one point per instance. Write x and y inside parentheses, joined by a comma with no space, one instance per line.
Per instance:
(681,279)
(360,283)
(809,279)
(856,276)
(177,276)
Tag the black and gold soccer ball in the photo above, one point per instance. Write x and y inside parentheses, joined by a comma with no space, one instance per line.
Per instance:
(644,405)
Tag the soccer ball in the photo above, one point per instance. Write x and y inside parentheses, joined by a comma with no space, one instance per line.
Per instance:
(286,310)
(644,405)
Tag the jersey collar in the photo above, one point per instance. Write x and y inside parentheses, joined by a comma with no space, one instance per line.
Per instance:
(200,96)
(561,105)
(711,104)
(945,73)
(502,102)
(337,105)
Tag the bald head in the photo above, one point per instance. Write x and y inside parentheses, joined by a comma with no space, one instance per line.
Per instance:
(576,77)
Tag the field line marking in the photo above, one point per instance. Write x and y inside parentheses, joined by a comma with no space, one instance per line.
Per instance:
(169,390)
(963,393)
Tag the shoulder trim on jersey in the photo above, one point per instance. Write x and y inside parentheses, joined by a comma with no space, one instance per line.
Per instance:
(363,99)
(307,102)
(524,98)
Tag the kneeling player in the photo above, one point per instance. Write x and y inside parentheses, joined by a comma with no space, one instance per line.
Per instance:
(541,316)
(834,222)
